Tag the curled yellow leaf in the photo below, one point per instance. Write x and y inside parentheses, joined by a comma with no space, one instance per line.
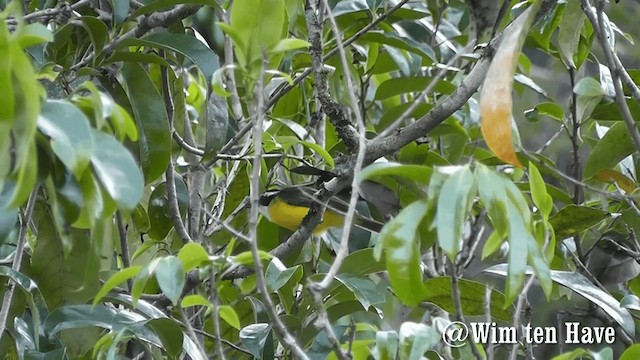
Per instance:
(495,97)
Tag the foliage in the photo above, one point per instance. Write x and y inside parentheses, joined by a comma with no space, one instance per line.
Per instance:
(137,137)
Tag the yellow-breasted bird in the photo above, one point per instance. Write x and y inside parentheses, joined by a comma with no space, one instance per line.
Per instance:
(288,206)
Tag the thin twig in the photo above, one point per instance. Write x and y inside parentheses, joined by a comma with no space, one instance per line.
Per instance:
(223,340)
(17,260)
(487,311)
(216,316)
(575,146)
(455,295)
(513,355)
(254,189)
(343,250)
(598,22)
(124,246)
(418,100)
(145,24)
(191,332)
(172,197)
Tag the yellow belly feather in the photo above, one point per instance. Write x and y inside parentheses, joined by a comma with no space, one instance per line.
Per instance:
(290,216)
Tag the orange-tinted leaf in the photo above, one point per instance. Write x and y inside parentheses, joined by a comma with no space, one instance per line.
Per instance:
(495,97)
(608,175)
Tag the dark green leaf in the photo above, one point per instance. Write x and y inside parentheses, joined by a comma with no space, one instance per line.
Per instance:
(117,170)
(574,219)
(70,134)
(80,316)
(549,109)
(277,274)
(363,288)
(168,4)
(217,118)
(439,293)
(580,284)
(170,276)
(158,208)
(361,262)
(151,117)
(569,32)
(411,172)
(170,334)
(115,280)
(405,85)
(253,338)
(610,150)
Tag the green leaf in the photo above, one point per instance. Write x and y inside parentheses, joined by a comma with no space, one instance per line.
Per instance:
(386,345)
(631,353)
(246,258)
(416,339)
(574,219)
(37,305)
(168,4)
(402,253)
(411,172)
(70,134)
(583,286)
(158,208)
(453,204)
(99,34)
(151,117)
(170,335)
(254,336)
(362,262)
(611,111)
(117,170)
(470,291)
(277,275)
(539,194)
(170,276)
(192,255)
(320,151)
(569,31)
(120,10)
(65,260)
(26,96)
(289,44)
(189,46)
(217,115)
(589,87)
(404,85)
(33,34)
(6,84)
(614,146)
(365,290)
(399,42)
(229,315)
(115,280)
(258,23)
(549,109)
(81,316)
(195,300)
